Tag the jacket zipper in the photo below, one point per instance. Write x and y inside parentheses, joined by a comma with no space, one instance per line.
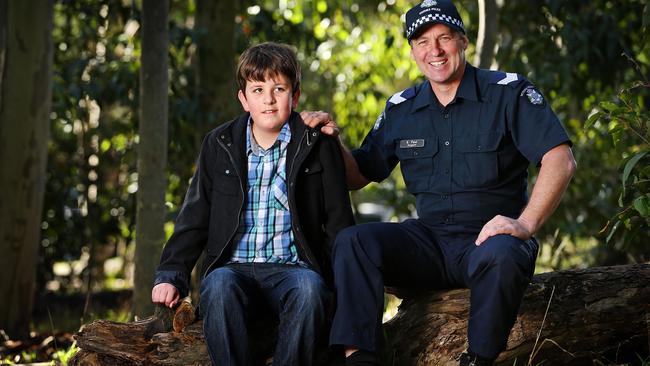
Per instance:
(232,161)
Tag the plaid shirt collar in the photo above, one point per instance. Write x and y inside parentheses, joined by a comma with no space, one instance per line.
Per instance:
(253,147)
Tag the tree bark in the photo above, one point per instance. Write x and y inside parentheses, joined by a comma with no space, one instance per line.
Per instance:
(215,24)
(152,151)
(488,32)
(24,134)
(599,313)
(3,46)
(594,314)
(216,62)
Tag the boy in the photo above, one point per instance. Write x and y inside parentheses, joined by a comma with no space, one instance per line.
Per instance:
(265,204)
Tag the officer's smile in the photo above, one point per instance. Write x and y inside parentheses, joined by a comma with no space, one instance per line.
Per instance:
(437,63)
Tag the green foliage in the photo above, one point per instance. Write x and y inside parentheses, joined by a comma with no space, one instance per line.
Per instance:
(64,356)
(354,57)
(628,122)
(575,53)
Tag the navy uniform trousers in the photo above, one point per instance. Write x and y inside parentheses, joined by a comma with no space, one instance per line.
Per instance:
(412,255)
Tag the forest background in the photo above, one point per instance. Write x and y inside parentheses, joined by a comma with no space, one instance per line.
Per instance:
(94,165)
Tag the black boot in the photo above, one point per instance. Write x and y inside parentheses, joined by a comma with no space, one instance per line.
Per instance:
(471,359)
(362,358)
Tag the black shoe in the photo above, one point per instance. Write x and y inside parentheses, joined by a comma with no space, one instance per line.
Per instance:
(362,358)
(467,359)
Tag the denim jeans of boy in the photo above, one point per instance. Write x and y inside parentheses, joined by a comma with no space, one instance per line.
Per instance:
(230,295)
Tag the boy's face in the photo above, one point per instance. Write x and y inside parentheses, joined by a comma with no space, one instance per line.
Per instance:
(269,102)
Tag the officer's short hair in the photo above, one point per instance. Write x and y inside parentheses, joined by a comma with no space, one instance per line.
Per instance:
(268,60)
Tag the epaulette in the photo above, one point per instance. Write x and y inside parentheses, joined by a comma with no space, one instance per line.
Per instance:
(400,97)
(504,78)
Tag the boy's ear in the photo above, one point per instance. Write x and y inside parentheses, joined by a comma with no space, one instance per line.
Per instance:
(295,98)
(242,100)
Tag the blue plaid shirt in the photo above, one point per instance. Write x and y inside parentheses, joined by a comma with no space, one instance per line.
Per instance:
(264,233)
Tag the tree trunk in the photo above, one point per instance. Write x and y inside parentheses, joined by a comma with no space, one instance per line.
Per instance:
(3,47)
(152,151)
(215,24)
(488,32)
(24,133)
(599,313)
(216,62)
(594,314)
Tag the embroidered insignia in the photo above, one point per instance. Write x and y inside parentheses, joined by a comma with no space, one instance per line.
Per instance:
(400,97)
(533,96)
(509,78)
(378,122)
(429,3)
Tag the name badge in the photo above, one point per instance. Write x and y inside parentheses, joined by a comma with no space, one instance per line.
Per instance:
(408,144)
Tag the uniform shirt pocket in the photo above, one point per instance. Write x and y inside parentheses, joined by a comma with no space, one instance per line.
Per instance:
(478,164)
(416,158)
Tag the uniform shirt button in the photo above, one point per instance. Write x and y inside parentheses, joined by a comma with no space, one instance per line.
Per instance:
(446,143)
(446,115)
(227,171)
(446,171)
(306,170)
(415,153)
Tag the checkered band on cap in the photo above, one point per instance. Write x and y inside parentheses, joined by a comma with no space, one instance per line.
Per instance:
(428,18)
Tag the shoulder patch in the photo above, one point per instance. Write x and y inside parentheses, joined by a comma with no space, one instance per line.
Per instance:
(400,97)
(533,95)
(504,78)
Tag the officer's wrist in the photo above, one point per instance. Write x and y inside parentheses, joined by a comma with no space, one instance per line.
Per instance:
(529,224)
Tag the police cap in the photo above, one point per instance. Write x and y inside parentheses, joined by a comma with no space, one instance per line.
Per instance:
(430,12)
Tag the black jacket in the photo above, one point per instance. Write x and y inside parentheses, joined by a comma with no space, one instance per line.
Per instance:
(208,220)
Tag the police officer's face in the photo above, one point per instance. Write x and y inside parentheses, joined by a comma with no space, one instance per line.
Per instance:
(440,54)
(269,102)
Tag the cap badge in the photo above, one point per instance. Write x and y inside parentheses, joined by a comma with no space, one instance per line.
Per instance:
(429,3)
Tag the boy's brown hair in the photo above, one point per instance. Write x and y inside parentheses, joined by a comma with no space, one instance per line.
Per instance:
(268,60)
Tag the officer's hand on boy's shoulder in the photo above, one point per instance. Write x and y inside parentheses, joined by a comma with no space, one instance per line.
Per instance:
(314,119)
(503,225)
(165,294)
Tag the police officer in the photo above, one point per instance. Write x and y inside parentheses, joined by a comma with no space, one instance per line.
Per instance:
(464,139)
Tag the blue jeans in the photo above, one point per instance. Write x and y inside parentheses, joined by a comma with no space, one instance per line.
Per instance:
(231,294)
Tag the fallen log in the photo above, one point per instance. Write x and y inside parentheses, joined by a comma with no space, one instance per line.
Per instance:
(593,314)
(597,314)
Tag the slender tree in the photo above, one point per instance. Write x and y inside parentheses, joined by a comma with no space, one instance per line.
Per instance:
(152,150)
(24,132)
(216,62)
(215,22)
(488,32)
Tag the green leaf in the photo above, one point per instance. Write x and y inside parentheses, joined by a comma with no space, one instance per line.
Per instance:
(609,106)
(611,233)
(592,119)
(630,165)
(642,205)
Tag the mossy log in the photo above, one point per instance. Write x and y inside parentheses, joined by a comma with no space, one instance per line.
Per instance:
(593,314)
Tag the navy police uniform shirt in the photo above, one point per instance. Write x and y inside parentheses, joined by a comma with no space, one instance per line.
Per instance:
(468,161)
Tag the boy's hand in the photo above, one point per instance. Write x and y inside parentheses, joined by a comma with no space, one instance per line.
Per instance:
(165,294)
(320,118)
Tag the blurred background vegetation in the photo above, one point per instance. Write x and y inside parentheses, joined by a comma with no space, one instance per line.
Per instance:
(590,59)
